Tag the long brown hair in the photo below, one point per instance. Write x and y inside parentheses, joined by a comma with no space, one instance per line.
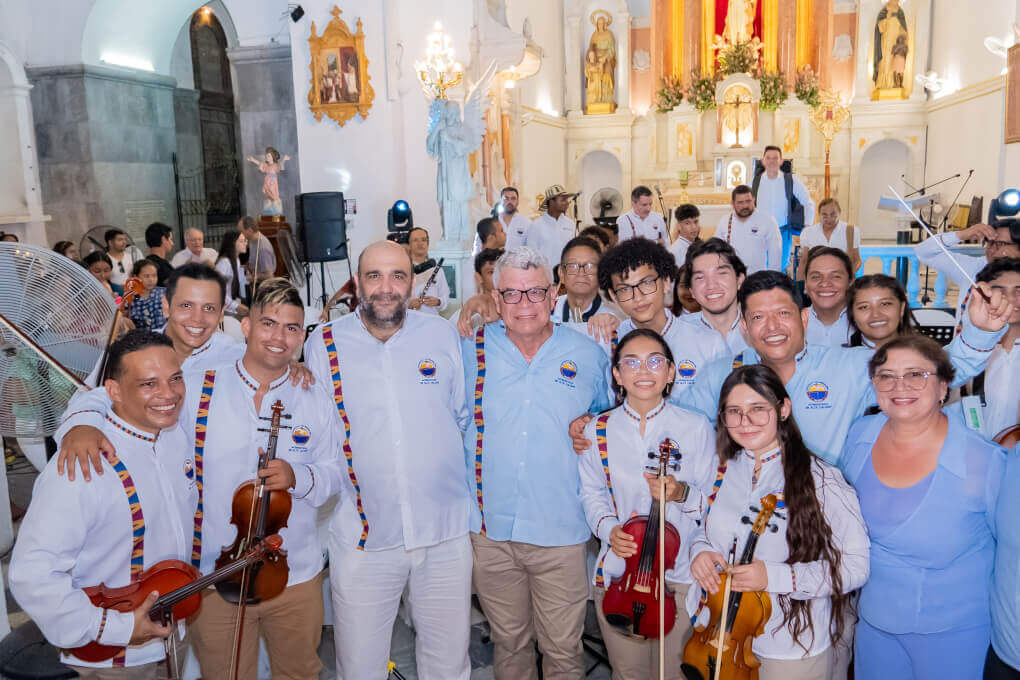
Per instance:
(808,534)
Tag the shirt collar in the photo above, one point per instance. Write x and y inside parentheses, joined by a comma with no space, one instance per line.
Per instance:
(253,384)
(593,308)
(127,429)
(767,458)
(651,414)
(814,315)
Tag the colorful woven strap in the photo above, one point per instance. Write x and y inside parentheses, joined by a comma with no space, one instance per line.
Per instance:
(479,419)
(738,360)
(729,228)
(603,446)
(338,399)
(719,474)
(963,311)
(201,429)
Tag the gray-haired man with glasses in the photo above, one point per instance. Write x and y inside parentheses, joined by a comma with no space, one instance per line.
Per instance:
(530,378)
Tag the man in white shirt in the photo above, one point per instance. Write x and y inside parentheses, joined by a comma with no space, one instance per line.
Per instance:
(77,535)
(490,233)
(641,220)
(434,299)
(550,232)
(687,219)
(752,233)
(194,240)
(514,223)
(123,259)
(831,232)
(396,378)
(774,192)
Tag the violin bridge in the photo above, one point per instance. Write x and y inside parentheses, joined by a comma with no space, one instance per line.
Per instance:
(642,589)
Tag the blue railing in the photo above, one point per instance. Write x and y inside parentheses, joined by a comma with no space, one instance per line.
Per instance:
(889,255)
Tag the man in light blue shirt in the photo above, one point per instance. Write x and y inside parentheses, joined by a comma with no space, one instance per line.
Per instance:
(529,379)
(829,386)
(1003,661)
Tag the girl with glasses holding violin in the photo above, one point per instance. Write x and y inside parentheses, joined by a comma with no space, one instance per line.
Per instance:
(928,487)
(811,554)
(616,484)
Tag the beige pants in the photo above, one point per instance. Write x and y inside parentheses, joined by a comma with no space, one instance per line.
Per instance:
(150,671)
(636,659)
(290,623)
(529,591)
(818,667)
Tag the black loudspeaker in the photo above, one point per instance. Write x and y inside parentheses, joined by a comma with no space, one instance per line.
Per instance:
(322,222)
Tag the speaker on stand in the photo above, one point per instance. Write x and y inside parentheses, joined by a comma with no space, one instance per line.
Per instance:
(322,226)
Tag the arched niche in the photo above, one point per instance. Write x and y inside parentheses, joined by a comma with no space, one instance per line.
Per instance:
(881,164)
(599,170)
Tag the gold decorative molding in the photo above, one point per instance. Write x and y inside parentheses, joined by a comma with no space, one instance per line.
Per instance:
(332,52)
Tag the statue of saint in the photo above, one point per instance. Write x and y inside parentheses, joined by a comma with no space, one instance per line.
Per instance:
(271,166)
(600,62)
(740,21)
(890,49)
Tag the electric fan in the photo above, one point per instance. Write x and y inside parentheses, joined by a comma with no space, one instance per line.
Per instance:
(605,207)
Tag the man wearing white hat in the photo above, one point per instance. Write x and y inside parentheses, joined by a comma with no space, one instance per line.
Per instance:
(550,232)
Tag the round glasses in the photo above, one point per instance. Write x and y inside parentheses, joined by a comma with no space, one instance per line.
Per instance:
(625,291)
(733,416)
(656,363)
(512,296)
(912,380)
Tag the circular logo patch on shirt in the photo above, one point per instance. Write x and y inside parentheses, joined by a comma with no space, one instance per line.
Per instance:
(301,434)
(189,469)
(817,392)
(427,368)
(568,369)
(687,368)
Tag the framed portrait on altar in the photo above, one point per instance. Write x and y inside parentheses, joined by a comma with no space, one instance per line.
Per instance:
(340,86)
(1013,95)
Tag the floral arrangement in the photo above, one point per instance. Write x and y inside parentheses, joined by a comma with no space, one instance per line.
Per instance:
(670,95)
(741,57)
(806,87)
(701,92)
(773,91)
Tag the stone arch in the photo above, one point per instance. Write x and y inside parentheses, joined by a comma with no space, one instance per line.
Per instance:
(880,162)
(599,169)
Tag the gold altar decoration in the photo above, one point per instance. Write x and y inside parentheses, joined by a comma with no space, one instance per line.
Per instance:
(791,136)
(829,118)
(736,112)
(600,66)
(439,71)
(340,85)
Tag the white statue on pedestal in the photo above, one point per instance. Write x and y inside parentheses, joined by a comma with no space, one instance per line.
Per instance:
(740,21)
(451,140)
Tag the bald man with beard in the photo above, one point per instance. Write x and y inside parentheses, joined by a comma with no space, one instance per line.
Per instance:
(397,380)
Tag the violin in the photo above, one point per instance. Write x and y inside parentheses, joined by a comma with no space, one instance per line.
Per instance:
(721,650)
(1009,437)
(133,287)
(181,586)
(257,513)
(639,603)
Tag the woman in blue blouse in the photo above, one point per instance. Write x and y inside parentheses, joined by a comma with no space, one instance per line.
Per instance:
(928,487)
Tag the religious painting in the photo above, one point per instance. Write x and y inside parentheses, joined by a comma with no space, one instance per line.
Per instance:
(340,86)
(1013,95)
(684,141)
(791,136)
(736,174)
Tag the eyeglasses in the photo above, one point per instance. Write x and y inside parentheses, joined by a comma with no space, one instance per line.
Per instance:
(656,363)
(121,266)
(575,268)
(512,296)
(912,380)
(733,416)
(992,244)
(625,291)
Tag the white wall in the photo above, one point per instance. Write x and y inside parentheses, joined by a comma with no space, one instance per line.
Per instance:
(887,158)
(543,91)
(958,34)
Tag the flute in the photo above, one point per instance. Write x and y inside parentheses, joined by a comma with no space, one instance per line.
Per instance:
(431,280)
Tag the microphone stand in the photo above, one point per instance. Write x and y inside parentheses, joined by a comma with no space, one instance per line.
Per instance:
(922,191)
(665,216)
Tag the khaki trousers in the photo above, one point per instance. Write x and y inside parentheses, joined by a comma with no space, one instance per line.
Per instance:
(528,591)
(290,623)
(817,667)
(156,670)
(637,659)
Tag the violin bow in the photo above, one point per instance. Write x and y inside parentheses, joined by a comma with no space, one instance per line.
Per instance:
(724,613)
(662,577)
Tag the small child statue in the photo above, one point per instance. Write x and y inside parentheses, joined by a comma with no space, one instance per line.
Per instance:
(271,167)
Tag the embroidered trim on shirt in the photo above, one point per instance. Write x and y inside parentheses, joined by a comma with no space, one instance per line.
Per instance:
(338,399)
(793,576)
(201,349)
(738,360)
(253,387)
(654,412)
(976,349)
(479,418)
(102,625)
(201,428)
(137,529)
(145,437)
(729,228)
(312,473)
(720,472)
(73,414)
(603,446)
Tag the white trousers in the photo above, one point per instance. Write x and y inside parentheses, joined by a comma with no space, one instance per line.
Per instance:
(366,589)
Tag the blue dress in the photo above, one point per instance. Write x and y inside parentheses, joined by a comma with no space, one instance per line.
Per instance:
(924,612)
(148,313)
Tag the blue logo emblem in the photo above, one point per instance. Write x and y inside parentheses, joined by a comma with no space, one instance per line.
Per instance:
(817,392)
(189,469)
(301,434)
(687,368)
(568,369)
(427,368)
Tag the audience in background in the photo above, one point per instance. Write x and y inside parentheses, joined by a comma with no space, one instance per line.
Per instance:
(194,240)
(160,239)
(68,249)
(146,310)
(122,259)
(228,264)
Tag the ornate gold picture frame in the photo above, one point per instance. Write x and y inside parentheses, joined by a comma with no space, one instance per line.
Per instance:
(340,86)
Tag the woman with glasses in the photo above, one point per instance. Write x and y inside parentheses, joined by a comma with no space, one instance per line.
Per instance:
(579,273)
(879,311)
(814,552)
(616,484)
(928,487)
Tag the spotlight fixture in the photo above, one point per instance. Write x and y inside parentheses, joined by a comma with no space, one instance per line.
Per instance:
(399,221)
(1004,206)
(297,13)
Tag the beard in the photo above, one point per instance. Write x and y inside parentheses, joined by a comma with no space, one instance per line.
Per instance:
(374,316)
(509,210)
(744,213)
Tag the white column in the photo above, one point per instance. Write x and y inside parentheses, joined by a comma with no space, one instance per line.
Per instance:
(867,12)
(572,33)
(622,25)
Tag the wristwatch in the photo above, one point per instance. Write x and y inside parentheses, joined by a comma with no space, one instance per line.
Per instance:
(686,493)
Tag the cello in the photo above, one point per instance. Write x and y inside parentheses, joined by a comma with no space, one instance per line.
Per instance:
(639,603)
(181,586)
(721,650)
